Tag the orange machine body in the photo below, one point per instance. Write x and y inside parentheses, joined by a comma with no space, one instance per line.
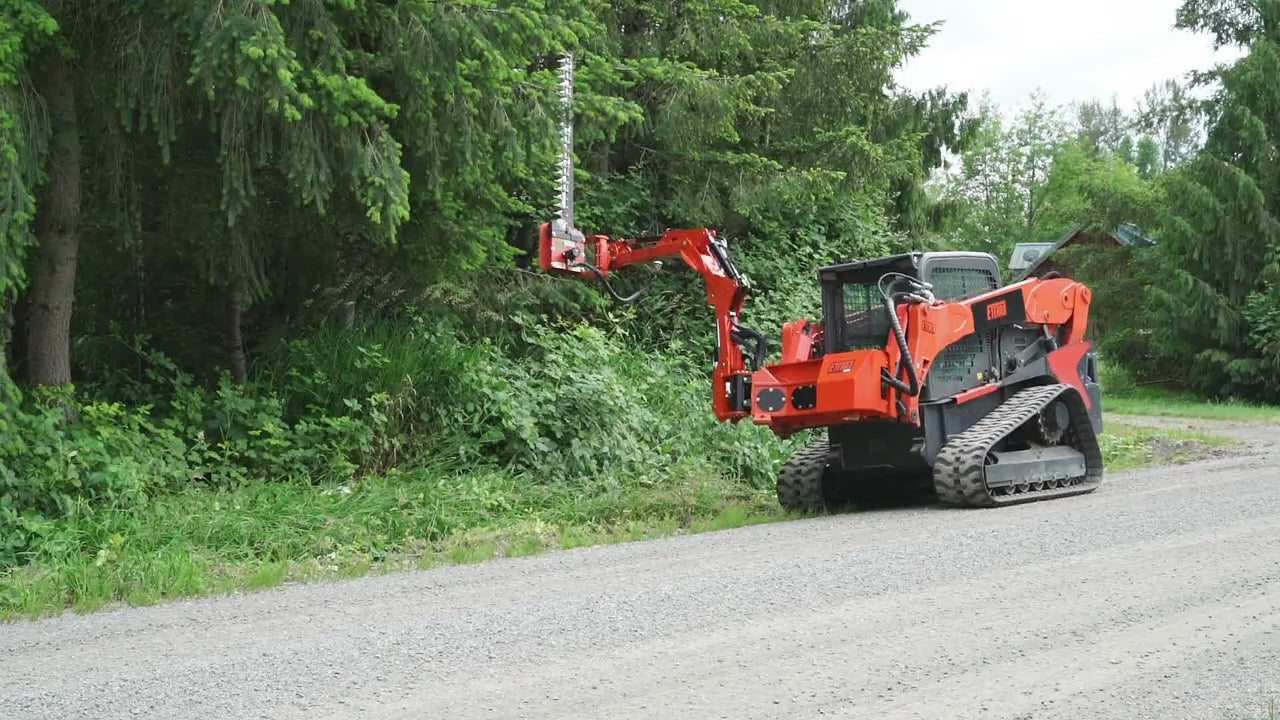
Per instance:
(808,389)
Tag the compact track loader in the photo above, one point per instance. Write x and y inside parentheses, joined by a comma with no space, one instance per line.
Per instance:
(923,366)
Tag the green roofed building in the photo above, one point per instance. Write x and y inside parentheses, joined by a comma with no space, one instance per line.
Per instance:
(1036,258)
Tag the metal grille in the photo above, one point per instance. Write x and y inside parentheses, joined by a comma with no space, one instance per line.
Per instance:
(958,366)
(866,325)
(953,283)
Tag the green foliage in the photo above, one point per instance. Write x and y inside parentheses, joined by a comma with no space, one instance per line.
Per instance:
(311,138)
(1230,22)
(1116,380)
(1000,187)
(113,458)
(567,406)
(242,437)
(1148,158)
(1262,315)
(25,27)
(755,119)
(1170,116)
(1098,192)
(1104,130)
(1221,240)
(589,404)
(1040,175)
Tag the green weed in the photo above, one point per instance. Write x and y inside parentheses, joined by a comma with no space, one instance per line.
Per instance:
(1126,447)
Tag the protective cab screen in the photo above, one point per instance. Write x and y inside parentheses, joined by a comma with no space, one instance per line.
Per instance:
(866,324)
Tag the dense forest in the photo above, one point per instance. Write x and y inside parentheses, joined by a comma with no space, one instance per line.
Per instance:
(269,254)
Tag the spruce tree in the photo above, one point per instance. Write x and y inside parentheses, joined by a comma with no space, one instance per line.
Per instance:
(25,27)
(1216,302)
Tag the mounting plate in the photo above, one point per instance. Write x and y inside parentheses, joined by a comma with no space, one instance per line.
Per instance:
(561,248)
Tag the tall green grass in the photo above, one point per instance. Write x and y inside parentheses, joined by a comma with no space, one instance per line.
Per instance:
(204,541)
(1122,396)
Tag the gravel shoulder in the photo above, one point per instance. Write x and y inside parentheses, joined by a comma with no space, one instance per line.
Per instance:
(1155,597)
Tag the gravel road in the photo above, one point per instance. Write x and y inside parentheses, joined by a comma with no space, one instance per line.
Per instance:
(1156,597)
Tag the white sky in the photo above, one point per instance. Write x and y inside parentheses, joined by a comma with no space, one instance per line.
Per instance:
(1073,49)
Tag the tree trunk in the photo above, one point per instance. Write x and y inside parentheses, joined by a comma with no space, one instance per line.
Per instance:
(52,291)
(234,337)
(139,269)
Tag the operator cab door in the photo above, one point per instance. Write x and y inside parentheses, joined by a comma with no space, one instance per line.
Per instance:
(969,362)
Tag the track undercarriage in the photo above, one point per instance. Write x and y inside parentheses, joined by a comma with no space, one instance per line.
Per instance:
(1039,444)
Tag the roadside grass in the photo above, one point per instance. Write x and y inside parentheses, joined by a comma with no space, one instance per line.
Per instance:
(258,536)
(201,543)
(1130,447)
(1163,403)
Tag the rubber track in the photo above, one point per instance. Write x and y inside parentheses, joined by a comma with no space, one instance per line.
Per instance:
(800,478)
(959,473)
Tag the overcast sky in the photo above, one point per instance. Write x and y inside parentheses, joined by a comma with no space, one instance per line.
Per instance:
(1073,49)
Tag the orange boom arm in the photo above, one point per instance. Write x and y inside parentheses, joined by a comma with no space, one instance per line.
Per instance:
(702,250)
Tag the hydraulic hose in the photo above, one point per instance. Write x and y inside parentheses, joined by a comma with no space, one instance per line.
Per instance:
(741,334)
(913,388)
(629,299)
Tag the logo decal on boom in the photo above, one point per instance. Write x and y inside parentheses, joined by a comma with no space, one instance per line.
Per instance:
(997,310)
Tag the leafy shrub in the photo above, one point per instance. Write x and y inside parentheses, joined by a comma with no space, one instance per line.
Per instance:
(1251,367)
(238,435)
(567,402)
(590,404)
(412,383)
(115,458)
(574,407)
(111,458)
(571,406)
(1116,379)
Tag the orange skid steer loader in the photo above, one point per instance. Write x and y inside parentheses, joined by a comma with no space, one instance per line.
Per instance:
(922,366)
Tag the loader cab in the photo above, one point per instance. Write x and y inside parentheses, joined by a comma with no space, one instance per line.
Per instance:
(855,316)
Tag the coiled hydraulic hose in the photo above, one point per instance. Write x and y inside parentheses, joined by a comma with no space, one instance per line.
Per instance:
(920,294)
